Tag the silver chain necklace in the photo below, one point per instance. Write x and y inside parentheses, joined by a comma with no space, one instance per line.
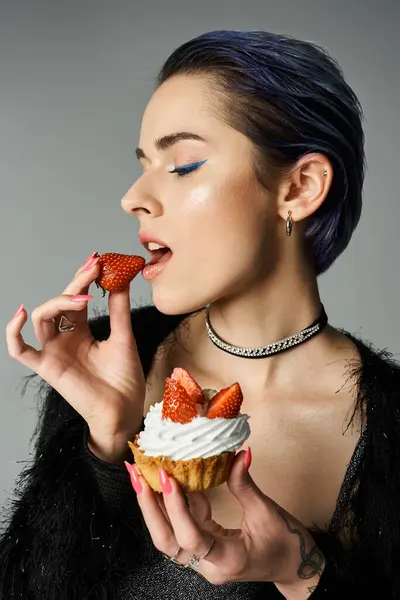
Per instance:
(280,346)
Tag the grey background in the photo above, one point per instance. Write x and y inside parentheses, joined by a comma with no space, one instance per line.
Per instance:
(74,79)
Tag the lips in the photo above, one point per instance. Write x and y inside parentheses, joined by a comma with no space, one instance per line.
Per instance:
(158,255)
(146,237)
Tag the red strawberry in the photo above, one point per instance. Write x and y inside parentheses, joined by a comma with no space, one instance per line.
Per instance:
(177,404)
(226,403)
(118,270)
(190,385)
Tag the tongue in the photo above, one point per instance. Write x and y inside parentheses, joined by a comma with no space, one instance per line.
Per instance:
(157,255)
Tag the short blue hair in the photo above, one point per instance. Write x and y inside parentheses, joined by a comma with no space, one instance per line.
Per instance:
(290,98)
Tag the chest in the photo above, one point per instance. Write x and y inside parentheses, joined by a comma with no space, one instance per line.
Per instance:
(300,452)
(298,468)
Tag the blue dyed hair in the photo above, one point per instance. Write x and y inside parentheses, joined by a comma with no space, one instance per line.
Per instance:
(289,97)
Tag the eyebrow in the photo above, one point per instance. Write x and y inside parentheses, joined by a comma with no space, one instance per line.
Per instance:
(169,140)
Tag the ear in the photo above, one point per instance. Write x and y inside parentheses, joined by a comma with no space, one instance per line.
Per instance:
(305,188)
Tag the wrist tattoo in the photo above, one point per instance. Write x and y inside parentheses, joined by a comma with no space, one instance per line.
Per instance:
(311,561)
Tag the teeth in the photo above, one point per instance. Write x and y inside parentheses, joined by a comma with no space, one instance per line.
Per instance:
(154,246)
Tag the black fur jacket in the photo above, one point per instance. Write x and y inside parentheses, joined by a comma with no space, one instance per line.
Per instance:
(72,532)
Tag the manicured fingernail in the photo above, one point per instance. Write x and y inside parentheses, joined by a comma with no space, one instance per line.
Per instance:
(81,298)
(165,482)
(136,483)
(89,258)
(19,311)
(91,263)
(247,459)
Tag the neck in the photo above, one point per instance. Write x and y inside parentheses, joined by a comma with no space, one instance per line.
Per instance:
(263,314)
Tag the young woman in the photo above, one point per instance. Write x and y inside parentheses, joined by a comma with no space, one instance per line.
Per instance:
(253,165)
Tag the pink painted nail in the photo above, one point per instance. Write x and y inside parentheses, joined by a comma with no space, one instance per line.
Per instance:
(19,311)
(136,483)
(165,482)
(247,459)
(89,258)
(91,263)
(81,298)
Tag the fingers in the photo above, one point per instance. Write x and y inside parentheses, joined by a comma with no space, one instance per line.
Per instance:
(118,302)
(43,315)
(119,307)
(155,518)
(161,520)
(256,506)
(161,504)
(25,354)
(84,276)
(172,526)
(90,259)
(187,532)
(200,507)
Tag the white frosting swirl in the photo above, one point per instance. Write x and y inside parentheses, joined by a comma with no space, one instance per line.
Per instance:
(201,438)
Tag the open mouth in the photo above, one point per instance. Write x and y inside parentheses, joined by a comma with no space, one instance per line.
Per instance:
(160,255)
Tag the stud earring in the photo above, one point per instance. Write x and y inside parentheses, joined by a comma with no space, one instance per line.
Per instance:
(325,173)
(289,223)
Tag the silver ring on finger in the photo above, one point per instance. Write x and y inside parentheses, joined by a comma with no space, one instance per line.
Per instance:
(194,560)
(173,558)
(63,324)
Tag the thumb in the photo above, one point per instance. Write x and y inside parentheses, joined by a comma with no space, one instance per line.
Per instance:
(242,485)
(119,307)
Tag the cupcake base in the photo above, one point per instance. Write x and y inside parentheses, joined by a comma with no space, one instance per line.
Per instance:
(193,475)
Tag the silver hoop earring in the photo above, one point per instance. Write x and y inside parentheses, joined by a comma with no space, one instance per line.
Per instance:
(289,223)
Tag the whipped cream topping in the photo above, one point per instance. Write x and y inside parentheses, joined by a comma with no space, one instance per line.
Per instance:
(201,438)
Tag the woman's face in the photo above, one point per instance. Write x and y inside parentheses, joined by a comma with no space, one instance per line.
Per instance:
(219,222)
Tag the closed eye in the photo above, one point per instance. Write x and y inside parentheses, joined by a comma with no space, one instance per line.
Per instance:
(184,171)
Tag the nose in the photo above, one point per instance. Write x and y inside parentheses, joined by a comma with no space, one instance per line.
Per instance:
(139,200)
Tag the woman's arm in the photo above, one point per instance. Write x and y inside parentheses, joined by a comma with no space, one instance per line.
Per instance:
(74,529)
(111,480)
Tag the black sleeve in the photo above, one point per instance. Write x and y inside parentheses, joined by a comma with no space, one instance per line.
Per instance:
(112,483)
(74,528)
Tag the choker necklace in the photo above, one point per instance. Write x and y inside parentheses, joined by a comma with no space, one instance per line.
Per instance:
(280,346)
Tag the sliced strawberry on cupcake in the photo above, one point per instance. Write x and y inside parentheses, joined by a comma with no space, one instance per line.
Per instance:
(190,385)
(177,404)
(183,434)
(226,403)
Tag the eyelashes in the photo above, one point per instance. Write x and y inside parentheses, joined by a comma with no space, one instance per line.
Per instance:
(187,169)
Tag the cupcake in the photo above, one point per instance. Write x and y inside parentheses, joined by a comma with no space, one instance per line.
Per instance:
(192,433)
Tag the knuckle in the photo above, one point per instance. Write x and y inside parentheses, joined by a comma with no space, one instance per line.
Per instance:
(163,543)
(191,545)
(218,578)
(9,330)
(35,314)
(79,274)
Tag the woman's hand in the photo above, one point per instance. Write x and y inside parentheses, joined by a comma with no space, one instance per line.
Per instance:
(271,545)
(103,381)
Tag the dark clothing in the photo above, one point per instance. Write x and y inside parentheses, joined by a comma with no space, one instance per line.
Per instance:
(75,531)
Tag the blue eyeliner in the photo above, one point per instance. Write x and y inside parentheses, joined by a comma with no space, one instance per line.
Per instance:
(182,171)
